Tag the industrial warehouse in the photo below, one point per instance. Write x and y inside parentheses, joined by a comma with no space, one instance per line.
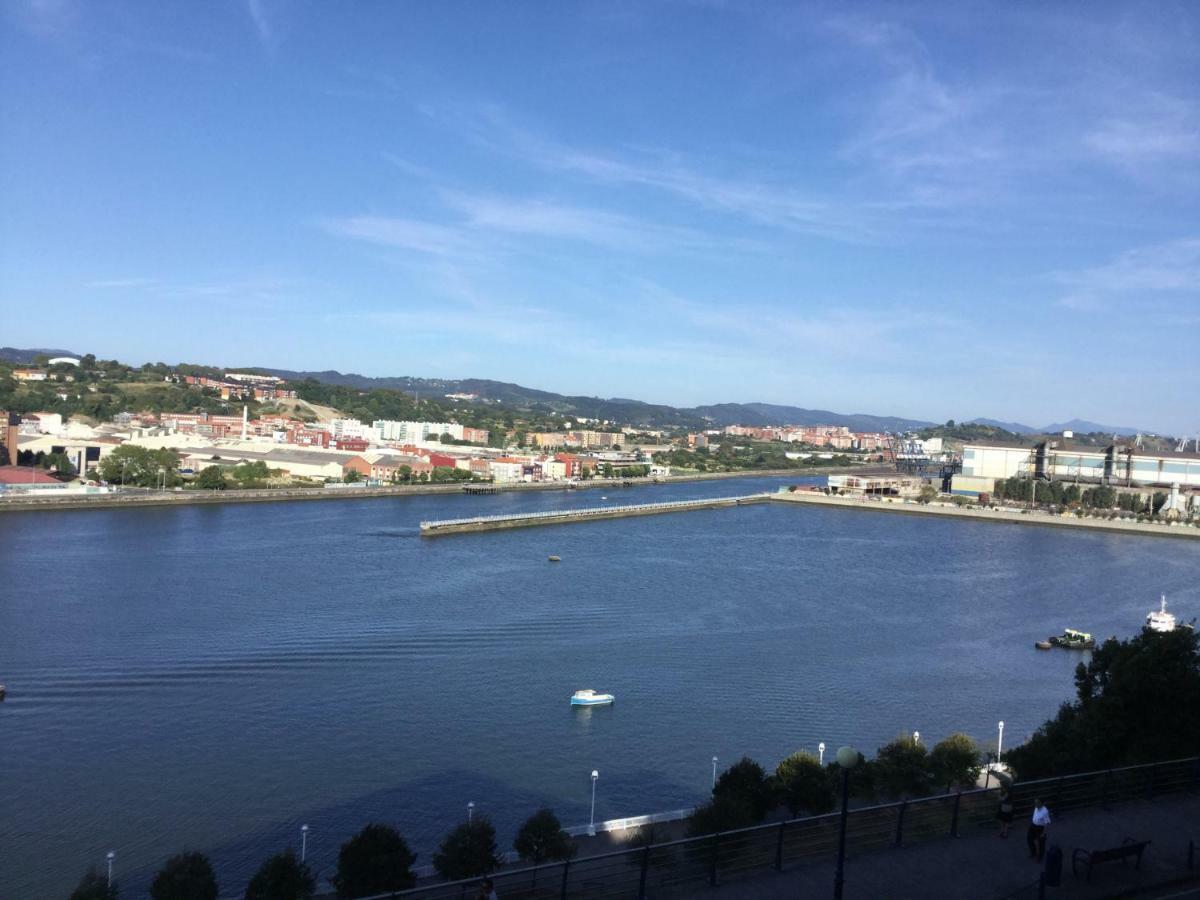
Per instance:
(1118,465)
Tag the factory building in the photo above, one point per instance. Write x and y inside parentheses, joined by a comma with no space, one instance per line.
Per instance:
(1063,459)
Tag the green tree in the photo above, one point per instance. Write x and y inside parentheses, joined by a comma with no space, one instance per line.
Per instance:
(723,813)
(928,493)
(745,784)
(1129,698)
(802,784)
(282,877)
(94,886)
(374,861)
(901,768)
(186,876)
(954,761)
(211,478)
(130,464)
(468,850)
(352,476)
(542,837)
(251,474)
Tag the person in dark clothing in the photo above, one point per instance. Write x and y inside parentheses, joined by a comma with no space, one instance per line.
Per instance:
(1005,812)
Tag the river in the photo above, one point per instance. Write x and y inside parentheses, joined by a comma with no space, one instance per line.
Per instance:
(211,677)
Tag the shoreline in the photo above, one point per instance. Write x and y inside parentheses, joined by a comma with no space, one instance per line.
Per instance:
(138,499)
(988,514)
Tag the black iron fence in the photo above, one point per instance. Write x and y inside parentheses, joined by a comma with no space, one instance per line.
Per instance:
(681,867)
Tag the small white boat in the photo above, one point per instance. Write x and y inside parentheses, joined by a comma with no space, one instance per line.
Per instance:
(590,698)
(1159,619)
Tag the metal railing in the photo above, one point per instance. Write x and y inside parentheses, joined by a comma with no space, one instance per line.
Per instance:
(597,510)
(681,867)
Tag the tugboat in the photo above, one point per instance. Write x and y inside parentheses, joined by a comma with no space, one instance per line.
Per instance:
(1070,639)
(589,697)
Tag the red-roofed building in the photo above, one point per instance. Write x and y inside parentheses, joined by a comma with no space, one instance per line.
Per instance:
(19,475)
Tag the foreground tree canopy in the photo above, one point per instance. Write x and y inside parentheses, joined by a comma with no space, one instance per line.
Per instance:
(374,861)
(187,876)
(1137,703)
(94,886)
(282,877)
(467,851)
(542,838)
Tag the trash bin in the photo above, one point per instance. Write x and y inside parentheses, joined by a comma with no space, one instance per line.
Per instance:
(1053,866)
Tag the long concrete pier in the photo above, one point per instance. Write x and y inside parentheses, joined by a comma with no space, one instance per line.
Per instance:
(566,516)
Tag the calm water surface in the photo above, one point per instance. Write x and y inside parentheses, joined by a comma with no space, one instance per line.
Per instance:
(212,677)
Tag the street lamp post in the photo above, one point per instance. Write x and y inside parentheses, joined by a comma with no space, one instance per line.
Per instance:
(1000,742)
(110,857)
(592,819)
(821,753)
(847,759)
(714,784)
(303,843)
(916,737)
(470,811)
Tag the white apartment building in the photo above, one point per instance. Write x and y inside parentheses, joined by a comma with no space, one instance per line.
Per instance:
(415,432)
(348,428)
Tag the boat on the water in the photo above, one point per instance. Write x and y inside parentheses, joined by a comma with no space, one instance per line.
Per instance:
(555,559)
(589,697)
(1070,639)
(1163,621)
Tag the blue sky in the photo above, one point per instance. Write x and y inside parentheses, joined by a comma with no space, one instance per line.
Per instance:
(935,210)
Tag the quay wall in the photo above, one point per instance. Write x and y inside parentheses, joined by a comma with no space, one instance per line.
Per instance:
(987,514)
(139,497)
(530,520)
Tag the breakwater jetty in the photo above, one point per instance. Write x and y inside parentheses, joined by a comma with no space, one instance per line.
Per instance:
(563,517)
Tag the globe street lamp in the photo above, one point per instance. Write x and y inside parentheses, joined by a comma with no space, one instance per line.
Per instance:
(916,737)
(714,772)
(821,753)
(110,857)
(470,811)
(592,819)
(847,759)
(303,842)
(1000,742)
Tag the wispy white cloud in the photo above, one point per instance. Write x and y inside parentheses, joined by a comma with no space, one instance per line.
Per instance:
(1166,272)
(263,26)
(1171,266)
(131,282)
(45,18)
(401,233)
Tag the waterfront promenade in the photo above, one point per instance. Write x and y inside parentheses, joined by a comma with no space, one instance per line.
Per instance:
(981,866)
(987,514)
(134,498)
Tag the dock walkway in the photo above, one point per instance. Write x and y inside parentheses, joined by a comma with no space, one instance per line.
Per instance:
(564,516)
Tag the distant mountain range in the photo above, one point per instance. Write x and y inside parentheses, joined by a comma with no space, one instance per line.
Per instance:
(1081,426)
(26,357)
(620,409)
(615,409)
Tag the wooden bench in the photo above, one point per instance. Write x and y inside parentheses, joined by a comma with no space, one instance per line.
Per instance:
(1129,847)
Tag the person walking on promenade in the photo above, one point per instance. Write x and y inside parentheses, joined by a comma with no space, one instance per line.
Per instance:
(487,890)
(1036,836)
(1005,812)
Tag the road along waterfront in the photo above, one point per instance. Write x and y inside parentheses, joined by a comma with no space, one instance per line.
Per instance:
(990,514)
(215,676)
(15,501)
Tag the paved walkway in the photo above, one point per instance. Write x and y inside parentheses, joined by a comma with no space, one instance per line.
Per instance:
(981,865)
